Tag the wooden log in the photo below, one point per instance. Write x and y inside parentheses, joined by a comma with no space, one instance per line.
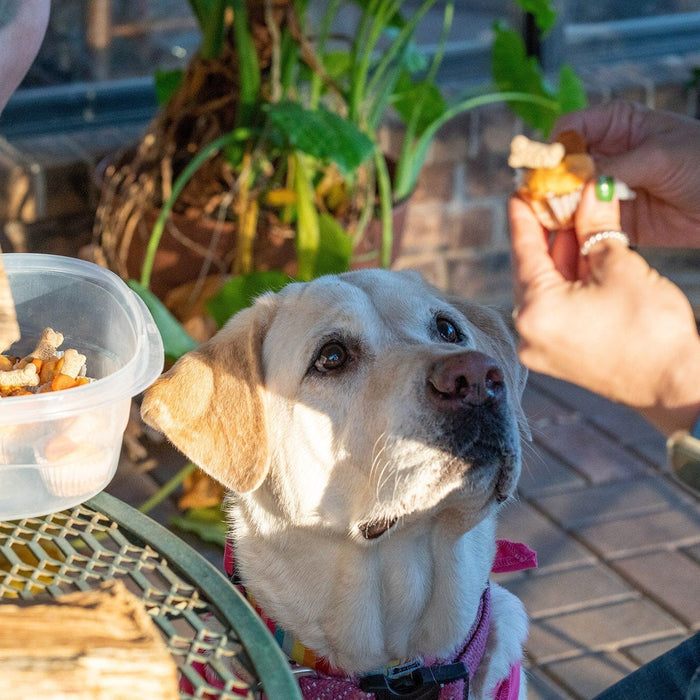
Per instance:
(98,644)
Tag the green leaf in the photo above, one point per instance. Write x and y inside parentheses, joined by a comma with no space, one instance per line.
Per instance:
(336,64)
(513,70)
(167,83)
(542,12)
(240,291)
(571,93)
(335,248)
(412,57)
(176,341)
(321,134)
(424,96)
(209,524)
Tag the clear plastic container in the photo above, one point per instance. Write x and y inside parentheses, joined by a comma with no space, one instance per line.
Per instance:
(60,448)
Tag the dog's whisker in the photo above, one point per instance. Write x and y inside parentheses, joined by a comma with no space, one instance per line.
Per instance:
(377,452)
(384,478)
(383,473)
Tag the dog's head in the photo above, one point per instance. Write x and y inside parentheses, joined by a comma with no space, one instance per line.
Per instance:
(356,402)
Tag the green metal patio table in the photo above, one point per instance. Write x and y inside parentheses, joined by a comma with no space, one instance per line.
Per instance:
(221,647)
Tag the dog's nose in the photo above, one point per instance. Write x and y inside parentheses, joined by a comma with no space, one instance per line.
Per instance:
(472,378)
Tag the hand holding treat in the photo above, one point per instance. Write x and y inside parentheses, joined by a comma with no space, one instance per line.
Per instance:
(617,327)
(657,153)
(552,177)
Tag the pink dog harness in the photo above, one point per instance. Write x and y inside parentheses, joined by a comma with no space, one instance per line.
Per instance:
(444,679)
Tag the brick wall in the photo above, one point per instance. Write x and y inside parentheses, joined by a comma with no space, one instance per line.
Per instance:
(456,230)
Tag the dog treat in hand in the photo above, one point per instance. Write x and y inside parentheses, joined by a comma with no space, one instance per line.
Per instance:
(552,176)
(44,369)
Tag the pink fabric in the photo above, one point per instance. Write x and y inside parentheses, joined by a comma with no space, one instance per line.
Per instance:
(509,688)
(513,556)
(228,557)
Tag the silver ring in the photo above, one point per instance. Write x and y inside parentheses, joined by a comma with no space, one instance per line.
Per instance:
(603,236)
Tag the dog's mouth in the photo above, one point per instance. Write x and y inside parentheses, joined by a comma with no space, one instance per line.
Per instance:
(495,488)
(372,529)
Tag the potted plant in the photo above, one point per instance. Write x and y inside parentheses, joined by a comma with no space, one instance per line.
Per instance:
(267,147)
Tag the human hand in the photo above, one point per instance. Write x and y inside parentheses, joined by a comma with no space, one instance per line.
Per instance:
(22,27)
(607,322)
(657,154)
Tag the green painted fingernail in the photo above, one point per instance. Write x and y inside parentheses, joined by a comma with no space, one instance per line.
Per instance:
(604,188)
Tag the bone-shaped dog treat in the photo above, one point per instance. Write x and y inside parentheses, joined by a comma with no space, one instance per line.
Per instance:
(525,153)
(73,363)
(26,376)
(46,348)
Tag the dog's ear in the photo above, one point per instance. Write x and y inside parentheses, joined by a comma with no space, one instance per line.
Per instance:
(210,403)
(499,340)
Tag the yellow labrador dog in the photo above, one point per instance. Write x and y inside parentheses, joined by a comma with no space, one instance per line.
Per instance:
(368,428)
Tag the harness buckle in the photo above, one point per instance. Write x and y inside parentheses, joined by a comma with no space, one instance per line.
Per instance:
(421,684)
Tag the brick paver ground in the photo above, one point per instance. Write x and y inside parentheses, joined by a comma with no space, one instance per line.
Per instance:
(618,542)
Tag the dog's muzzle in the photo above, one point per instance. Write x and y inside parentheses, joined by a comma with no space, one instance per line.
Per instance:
(469,379)
(470,397)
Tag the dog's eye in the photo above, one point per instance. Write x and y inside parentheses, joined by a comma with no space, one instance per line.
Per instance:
(332,356)
(447,330)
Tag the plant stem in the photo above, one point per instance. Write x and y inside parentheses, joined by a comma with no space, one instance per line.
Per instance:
(410,165)
(211,21)
(167,488)
(385,201)
(380,86)
(411,126)
(308,232)
(157,232)
(326,22)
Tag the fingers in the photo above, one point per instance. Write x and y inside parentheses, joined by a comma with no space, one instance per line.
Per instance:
(606,129)
(604,246)
(531,260)
(564,250)
(594,215)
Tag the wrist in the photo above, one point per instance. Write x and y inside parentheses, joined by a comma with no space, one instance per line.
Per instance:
(678,399)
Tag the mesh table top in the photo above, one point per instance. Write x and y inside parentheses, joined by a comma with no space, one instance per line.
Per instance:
(221,647)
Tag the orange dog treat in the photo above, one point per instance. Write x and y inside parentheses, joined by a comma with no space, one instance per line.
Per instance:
(552,176)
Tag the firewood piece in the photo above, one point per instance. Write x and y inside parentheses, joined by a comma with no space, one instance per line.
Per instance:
(94,644)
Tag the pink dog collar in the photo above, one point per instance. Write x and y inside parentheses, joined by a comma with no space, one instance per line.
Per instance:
(326,683)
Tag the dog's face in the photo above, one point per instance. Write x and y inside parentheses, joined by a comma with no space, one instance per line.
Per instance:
(358,404)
